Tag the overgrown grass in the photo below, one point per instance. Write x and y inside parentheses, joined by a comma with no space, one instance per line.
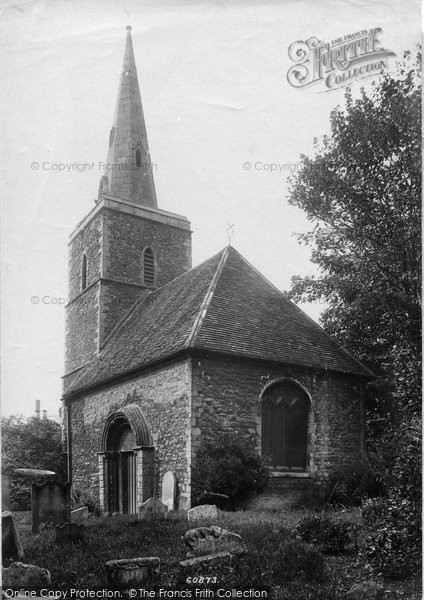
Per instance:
(81,565)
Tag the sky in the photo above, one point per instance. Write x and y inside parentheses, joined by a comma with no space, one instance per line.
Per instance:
(219,112)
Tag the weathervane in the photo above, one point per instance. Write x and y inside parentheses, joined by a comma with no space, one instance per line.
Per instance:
(230,232)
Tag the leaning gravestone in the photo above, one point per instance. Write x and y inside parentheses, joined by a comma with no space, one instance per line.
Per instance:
(152,509)
(11,547)
(204,511)
(169,490)
(210,540)
(51,504)
(79,515)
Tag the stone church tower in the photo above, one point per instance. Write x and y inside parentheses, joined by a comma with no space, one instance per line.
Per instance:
(161,356)
(125,246)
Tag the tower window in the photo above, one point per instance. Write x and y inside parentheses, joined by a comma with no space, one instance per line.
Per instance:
(148,267)
(111,136)
(138,158)
(84,272)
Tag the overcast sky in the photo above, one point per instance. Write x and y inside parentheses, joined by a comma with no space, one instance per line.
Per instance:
(215,94)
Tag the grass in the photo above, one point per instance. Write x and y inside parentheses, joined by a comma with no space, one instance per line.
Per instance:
(81,565)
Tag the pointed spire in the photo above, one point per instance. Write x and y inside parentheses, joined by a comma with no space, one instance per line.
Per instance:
(129,174)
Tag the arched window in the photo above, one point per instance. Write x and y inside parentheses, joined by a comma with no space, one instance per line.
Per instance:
(111,136)
(148,267)
(285,412)
(84,272)
(138,158)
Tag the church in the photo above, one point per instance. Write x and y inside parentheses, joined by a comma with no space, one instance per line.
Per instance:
(160,354)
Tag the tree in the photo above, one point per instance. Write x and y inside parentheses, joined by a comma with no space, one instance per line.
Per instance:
(362,192)
(28,443)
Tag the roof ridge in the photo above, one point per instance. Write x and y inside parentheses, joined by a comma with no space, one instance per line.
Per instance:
(335,342)
(207,299)
(150,294)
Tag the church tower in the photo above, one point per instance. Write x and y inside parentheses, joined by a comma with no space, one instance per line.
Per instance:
(126,246)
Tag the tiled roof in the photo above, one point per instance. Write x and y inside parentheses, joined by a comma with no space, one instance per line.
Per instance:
(223,305)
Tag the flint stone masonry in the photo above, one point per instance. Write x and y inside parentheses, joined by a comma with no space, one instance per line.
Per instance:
(169,490)
(25,576)
(152,509)
(51,504)
(79,515)
(210,560)
(132,572)
(69,532)
(225,394)
(113,241)
(210,540)
(11,547)
(204,511)
(163,396)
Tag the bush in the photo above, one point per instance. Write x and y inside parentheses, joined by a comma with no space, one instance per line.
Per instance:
(227,464)
(331,535)
(393,548)
(350,484)
(295,559)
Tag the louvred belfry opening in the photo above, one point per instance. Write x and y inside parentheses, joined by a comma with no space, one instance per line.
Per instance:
(149,267)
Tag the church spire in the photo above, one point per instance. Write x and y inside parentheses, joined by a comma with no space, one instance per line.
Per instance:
(129,175)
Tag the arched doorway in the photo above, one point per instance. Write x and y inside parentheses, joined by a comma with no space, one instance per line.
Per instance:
(126,461)
(285,408)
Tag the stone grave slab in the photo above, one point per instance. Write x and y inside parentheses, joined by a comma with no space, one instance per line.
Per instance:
(51,504)
(132,572)
(79,515)
(367,590)
(35,473)
(25,576)
(202,512)
(210,540)
(169,490)
(69,532)
(195,564)
(152,509)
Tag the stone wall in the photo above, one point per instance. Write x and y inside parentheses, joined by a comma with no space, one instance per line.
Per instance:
(82,311)
(226,395)
(127,235)
(163,395)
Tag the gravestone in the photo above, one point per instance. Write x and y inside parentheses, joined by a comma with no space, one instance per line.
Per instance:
(11,547)
(79,515)
(221,501)
(5,492)
(210,560)
(169,490)
(210,540)
(152,509)
(25,576)
(69,532)
(132,572)
(51,504)
(202,512)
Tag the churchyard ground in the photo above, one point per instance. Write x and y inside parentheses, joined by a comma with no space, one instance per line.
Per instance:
(81,565)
